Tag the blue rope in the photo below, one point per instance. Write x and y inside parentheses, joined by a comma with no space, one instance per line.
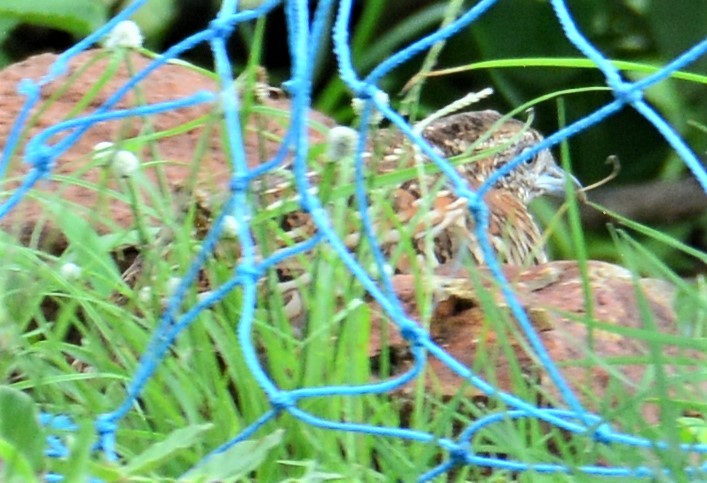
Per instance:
(305,35)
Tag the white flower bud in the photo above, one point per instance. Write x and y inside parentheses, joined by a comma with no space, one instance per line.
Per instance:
(230,227)
(145,294)
(124,164)
(70,271)
(341,142)
(376,117)
(103,150)
(103,146)
(172,285)
(125,34)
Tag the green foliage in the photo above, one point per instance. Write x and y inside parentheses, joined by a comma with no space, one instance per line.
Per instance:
(78,357)
(79,17)
(237,461)
(21,437)
(693,430)
(204,393)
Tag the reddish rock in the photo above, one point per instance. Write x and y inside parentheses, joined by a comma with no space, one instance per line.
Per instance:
(615,356)
(77,180)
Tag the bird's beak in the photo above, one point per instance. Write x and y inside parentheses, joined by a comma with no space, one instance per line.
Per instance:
(553,181)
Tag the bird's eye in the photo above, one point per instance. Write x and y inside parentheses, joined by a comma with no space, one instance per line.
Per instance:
(530,160)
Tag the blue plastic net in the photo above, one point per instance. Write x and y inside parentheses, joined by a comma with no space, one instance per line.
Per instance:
(304,36)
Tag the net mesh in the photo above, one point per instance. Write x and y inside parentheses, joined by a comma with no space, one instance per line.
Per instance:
(237,213)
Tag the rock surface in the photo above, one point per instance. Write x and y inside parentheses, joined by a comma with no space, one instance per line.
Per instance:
(179,155)
(608,352)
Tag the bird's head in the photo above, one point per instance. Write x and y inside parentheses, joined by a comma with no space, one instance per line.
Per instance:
(475,134)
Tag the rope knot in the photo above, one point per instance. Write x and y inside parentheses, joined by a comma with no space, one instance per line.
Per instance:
(105,425)
(41,158)
(365,91)
(413,334)
(249,272)
(28,88)
(239,183)
(458,454)
(627,93)
(222,27)
(603,433)
(281,401)
(473,200)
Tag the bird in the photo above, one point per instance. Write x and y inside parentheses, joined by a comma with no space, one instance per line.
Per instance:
(425,214)
(513,233)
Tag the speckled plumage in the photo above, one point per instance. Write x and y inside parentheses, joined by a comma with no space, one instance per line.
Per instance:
(446,231)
